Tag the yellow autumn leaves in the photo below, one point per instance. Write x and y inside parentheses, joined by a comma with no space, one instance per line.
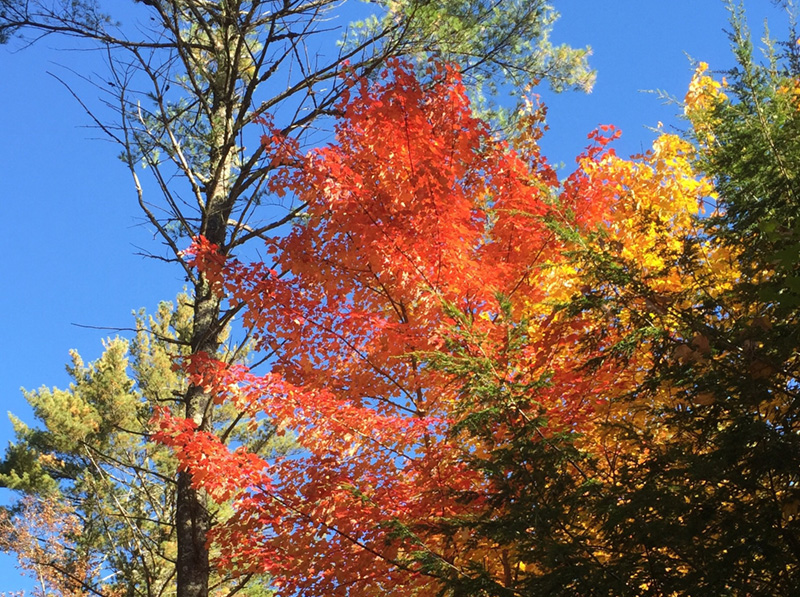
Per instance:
(704,92)
(651,229)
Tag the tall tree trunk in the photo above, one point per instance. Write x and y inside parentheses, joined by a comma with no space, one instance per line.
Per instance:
(192,515)
(192,525)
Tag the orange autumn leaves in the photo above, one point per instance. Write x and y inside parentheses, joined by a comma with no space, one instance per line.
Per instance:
(418,222)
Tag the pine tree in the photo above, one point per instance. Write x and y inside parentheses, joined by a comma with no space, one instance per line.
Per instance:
(97,512)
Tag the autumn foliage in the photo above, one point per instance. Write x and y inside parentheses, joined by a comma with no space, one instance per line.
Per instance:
(454,333)
(476,377)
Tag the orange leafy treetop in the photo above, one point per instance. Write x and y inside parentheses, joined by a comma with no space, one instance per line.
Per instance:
(418,226)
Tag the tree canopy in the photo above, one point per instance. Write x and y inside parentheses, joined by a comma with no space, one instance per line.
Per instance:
(495,380)
(509,386)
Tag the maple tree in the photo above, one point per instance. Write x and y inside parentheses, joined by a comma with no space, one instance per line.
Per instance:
(350,330)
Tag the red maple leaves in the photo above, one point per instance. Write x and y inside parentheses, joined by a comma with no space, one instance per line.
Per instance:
(417,223)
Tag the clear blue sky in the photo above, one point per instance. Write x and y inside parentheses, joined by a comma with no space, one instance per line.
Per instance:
(70,228)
